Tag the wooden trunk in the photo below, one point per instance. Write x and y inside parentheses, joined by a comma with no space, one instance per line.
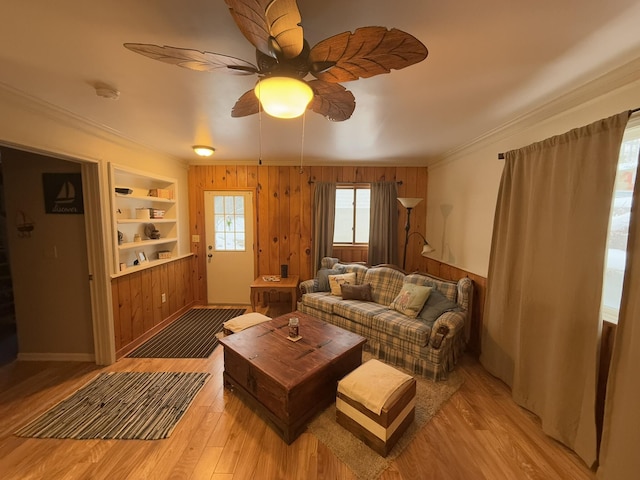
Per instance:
(288,382)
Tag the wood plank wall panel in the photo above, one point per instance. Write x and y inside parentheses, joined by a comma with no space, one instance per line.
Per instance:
(138,310)
(284,221)
(284,218)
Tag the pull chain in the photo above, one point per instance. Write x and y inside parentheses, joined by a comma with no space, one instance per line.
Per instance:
(259,128)
(304,116)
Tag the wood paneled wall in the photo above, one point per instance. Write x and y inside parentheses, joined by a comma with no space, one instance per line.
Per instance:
(138,310)
(284,214)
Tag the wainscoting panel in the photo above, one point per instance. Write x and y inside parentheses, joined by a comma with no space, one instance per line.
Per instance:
(448,272)
(138,309)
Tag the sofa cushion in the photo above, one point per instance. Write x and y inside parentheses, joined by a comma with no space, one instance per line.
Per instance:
(323,277)
(356,292)
(328,262)
(398,326)
(448,289)
(411,299)
(385,283)
(435,306)
(358,311)
(322,301)
(336,280)
(359,269)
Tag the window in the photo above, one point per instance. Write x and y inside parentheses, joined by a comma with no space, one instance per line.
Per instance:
(352,215)
(619,222)
(229,223)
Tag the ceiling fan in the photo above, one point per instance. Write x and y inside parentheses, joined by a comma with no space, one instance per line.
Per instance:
(284,59)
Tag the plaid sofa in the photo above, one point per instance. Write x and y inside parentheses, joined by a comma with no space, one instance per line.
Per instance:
(429,350)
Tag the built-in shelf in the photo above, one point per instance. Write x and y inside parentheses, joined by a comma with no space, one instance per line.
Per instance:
(146,243)
(152,263)
(131,216)
(151,220)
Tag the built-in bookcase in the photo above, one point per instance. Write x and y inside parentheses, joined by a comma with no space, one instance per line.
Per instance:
(139,200)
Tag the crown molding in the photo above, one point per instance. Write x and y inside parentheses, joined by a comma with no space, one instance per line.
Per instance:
(580,96)
(77,122)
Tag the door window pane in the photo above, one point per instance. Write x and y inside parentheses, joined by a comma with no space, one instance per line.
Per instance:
(229,223)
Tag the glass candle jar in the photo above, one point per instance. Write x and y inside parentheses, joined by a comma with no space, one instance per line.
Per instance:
(294,327)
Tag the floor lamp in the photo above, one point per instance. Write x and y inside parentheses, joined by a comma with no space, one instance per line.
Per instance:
(409,204)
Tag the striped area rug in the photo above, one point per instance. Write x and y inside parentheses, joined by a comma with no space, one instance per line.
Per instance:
(123,405)
(193,335)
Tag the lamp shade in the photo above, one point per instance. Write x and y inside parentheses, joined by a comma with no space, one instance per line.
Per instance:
(409,202)
(427,249)
(283,97)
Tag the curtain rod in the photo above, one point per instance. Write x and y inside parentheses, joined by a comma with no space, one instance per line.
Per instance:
(631,112)
(399,182)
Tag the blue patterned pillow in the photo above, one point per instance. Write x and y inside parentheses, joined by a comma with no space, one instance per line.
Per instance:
(435,306)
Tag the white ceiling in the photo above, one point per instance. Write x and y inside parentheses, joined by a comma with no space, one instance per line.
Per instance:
(489,63)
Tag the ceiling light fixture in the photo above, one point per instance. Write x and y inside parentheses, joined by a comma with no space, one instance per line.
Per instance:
(283,97)
(203,150)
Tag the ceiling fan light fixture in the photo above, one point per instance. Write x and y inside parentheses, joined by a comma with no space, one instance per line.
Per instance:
(203,150)
(283,97)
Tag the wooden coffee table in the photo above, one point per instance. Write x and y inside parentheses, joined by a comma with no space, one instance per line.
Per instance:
(287,382)
(287,285)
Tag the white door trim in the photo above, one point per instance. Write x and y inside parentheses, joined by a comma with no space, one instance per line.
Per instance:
(100,288)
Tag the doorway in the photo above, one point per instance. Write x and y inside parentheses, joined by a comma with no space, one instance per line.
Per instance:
(229,232)
(56,258)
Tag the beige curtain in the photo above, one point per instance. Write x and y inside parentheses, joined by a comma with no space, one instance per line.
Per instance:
(542,322)
(324,213)
(620,448)
(383,223)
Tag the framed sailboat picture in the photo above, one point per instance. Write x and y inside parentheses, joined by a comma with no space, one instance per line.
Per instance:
(63,193)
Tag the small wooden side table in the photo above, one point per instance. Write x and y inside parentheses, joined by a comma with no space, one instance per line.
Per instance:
(286,285)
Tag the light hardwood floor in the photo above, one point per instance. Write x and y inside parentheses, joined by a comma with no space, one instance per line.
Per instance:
(479,434)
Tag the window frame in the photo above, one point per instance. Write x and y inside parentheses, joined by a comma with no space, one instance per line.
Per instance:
(355,187)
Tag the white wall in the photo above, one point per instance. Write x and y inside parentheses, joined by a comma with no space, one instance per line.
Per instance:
(49,267)
(27,124)
(466,183)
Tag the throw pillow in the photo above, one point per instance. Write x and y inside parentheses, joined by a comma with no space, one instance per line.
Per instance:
(323,277)
(411,299)
(336,280)
(435,306)
(357,292)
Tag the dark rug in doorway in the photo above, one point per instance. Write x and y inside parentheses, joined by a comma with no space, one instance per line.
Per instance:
(193,335)
(122,405)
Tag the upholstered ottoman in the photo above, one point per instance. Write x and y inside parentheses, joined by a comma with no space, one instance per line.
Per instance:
(241,322)
(376,403)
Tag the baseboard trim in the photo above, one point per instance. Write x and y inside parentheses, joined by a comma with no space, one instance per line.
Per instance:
(56,357)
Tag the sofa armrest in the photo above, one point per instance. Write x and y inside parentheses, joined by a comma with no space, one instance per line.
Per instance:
(308,286)
(453,321)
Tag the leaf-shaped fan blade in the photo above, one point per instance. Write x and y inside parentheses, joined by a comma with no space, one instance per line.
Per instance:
(247,104)
(193,59)
(367,52)
(332,100)
(272,26)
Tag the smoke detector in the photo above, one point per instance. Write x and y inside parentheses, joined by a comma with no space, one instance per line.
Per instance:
(105,91)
